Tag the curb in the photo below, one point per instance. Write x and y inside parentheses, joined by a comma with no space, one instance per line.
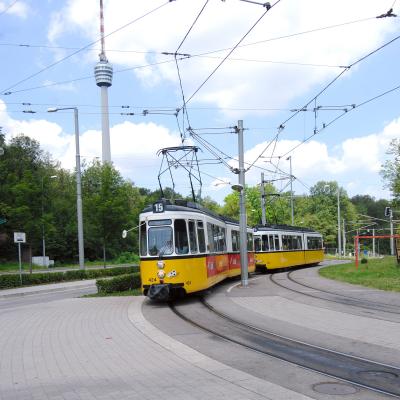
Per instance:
(43,290)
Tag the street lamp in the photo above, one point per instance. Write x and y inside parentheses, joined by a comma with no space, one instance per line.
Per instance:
(338,218)
(44,264)
(78,184)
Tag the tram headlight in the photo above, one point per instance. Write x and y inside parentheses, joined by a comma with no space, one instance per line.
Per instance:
(161,274)
(160,264)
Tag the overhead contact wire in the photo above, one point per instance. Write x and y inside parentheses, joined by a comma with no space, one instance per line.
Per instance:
(85,47)
(230,52)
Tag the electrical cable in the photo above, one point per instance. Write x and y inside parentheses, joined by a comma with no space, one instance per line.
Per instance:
(183,109)
(8,7)
(230,52)
(282,125)
(85,47)
(340,116)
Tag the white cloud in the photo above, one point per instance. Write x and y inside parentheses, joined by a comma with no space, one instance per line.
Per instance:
(355,165)
(236,84)
(19,9)
(133,152)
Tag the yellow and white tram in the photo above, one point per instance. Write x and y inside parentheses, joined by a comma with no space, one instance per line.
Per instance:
(186,248)
(283,246)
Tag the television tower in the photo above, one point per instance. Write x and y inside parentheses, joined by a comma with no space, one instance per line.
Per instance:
(103,72)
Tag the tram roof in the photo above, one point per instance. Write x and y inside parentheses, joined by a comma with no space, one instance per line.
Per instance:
(189,206)
(282,227)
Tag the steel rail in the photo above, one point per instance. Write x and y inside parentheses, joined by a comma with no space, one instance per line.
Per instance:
(310,357)
(356,302)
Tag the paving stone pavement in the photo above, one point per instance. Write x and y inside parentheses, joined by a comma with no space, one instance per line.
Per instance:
(103,348)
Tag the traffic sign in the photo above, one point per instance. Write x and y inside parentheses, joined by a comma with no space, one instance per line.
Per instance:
(19,237)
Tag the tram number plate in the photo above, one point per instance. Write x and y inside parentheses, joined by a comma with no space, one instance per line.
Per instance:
(158,207)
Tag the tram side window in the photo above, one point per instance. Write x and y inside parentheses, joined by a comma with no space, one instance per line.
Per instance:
(235,241)
(181,238)
(143,239)
(223,239)
(210,237)
(219,238)
(285,242)
(201,237)
(192,237)
(276,241)
(272,245)
(265,243)
(299,242)
(257,243)
(314,243)
(250,246)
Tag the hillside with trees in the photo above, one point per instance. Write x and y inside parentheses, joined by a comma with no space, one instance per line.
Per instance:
(38,197)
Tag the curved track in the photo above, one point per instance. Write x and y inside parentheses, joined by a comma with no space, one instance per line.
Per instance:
(367,374)
(327,295)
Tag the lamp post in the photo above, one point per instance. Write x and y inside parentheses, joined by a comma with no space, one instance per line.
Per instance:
(44,264)
(338,219)
(78,184)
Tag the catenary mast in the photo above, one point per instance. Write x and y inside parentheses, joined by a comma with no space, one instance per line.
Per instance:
(103,73)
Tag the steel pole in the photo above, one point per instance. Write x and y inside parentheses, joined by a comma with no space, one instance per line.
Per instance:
(391,232)
(291,190)
(373,243)
(79,193)
(20,262)
(242,221)
(344,237)
(43,232)
(338,220)
(263,215)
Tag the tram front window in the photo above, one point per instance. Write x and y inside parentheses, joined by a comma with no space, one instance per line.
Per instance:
(160,241)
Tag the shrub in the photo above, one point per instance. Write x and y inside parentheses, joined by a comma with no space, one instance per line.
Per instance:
(8,281)
(119,283)
(127,257)
(364,261)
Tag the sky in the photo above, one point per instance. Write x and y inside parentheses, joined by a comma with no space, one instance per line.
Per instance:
(274,69)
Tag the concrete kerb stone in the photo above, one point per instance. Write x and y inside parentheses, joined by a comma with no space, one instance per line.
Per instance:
(241,379)
(47,288)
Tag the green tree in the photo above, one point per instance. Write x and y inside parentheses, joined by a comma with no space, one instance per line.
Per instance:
(391,170)
(111,204)
(23,169)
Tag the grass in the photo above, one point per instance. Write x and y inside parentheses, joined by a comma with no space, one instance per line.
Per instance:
(14,267)
(133,292)
(381,273)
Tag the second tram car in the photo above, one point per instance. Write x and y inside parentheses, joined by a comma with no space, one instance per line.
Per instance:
(185,248)
(283,246)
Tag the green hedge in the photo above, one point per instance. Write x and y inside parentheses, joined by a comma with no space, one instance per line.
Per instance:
(119,283)
(8,281)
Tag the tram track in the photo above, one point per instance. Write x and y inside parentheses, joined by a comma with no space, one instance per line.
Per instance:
(333,297)
(359,372)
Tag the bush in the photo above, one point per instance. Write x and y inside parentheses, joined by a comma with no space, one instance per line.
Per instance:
(119,283)
(364,261)
(8,281)
(127,257)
